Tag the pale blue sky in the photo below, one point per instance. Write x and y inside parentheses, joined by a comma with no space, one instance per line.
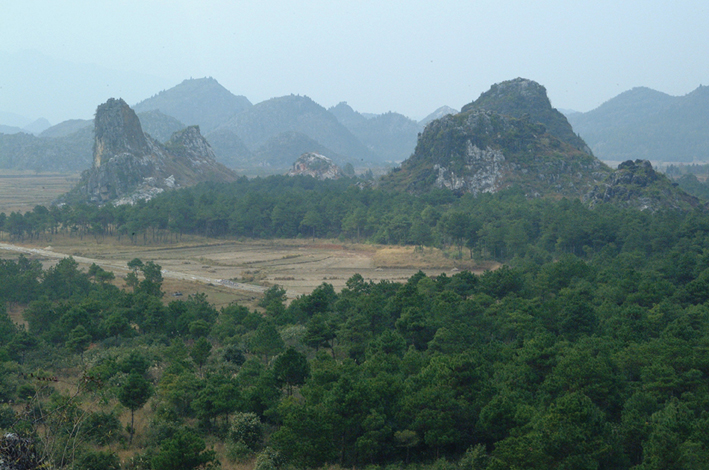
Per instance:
(405,56)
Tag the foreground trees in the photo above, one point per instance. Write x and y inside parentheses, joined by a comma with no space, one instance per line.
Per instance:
(556,360)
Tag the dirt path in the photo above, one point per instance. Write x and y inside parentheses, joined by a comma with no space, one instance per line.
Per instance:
(251,266)
(168,274)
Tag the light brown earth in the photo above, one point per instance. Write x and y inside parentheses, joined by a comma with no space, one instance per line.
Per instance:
(230,270)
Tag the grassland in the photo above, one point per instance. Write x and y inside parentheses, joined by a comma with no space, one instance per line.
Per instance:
(20,191)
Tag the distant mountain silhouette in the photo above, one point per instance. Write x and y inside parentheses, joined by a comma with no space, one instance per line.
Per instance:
(66,128)
(282,150)
(271,118)
(203,102)
(646,124)
(9,129)
(391,136)
(437,114)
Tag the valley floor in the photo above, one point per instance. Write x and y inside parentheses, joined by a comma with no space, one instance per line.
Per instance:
(241,270)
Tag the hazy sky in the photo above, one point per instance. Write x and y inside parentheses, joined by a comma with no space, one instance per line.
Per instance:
(407,56)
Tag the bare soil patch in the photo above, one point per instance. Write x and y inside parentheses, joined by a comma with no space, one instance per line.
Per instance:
(227,269)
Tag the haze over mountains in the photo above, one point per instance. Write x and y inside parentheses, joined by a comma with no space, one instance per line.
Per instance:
(646,124)
(269,136)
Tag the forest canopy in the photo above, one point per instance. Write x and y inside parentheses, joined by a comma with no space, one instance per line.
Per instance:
(587,349)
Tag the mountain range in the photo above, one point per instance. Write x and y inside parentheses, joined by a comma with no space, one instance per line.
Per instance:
(266,137)
(646,124)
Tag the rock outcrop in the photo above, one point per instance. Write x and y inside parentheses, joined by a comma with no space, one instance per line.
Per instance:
(636,184)
(315,165)
(129,165)
(526,99)
(484,152)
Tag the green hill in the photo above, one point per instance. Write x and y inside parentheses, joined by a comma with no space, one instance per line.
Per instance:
(484,152)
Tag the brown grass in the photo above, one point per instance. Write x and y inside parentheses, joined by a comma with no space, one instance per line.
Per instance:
(20,191)
(427,258)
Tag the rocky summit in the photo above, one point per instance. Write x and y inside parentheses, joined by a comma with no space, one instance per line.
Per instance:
(129,165)
(481,151)
(522,98)
(636,184)
(315,165)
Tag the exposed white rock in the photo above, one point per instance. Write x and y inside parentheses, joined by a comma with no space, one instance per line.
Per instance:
(315,165)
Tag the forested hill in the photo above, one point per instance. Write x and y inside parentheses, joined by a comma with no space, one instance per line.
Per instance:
(589,350)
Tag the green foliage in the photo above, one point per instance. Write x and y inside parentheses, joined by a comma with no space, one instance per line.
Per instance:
(200,351)
(185,450)
(102,428)
(291,369)
(246,428)
(98,460)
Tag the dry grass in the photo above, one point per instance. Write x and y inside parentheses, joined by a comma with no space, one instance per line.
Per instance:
(426,258)
(197,264)
(20,191)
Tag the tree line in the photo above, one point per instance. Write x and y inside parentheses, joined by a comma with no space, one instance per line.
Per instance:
(502,226)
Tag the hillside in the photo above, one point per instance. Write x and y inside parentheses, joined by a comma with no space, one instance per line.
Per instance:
(268,119)
(482,151)
(281,151)
(520,97)
(203,102)
(646,124)
(391,136)
(28,152)
(129,165)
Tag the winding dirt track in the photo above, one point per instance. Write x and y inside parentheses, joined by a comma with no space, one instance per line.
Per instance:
(169,274)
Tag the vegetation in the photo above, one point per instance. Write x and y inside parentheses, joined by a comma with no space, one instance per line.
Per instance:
(587,349)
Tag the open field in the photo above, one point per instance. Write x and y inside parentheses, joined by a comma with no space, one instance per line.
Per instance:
(225,270)
(22,190)
(228,270)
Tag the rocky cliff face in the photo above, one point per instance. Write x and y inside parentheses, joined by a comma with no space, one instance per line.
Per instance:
(317,166)
(637,185)
(129,165)
(482,151)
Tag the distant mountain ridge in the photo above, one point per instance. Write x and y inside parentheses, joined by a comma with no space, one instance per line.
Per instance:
(202,101)
(391,136)
(293,113)
(438,114)
(646,124)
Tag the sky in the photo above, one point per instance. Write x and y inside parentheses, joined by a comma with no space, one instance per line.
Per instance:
(59,60)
